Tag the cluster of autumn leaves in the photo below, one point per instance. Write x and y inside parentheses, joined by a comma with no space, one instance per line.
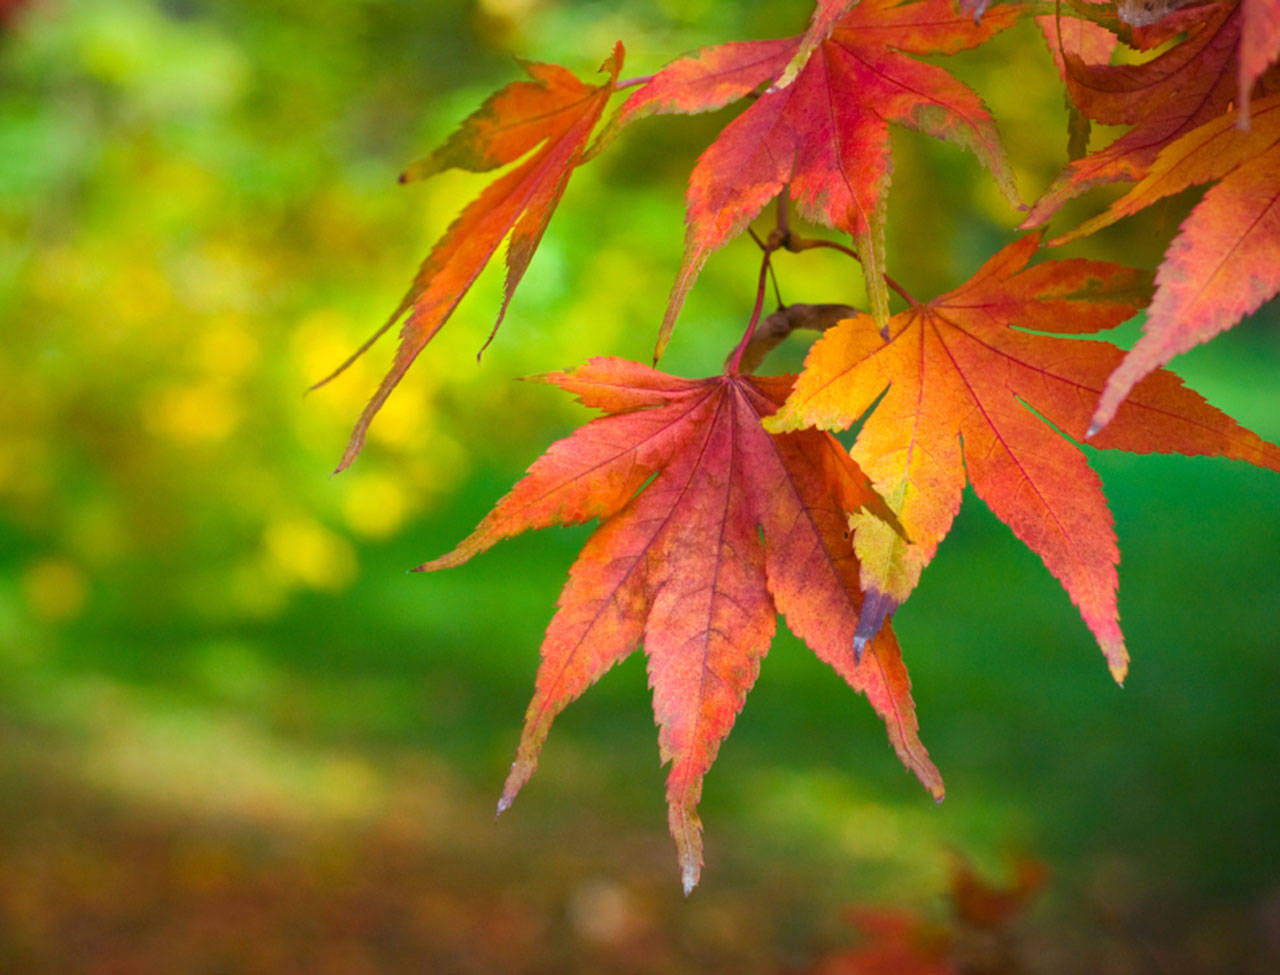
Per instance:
(725,501)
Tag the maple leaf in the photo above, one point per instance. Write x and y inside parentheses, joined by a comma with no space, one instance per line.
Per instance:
(1159,21)
(1162,99)
(895,942)
(1087,41)
(968,395)
(1225,261)
(980,904)
(555,114)
(898,941)
(826,132)
(709,527)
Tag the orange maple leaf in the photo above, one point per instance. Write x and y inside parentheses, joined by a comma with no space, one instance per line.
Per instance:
(968,390)
(709,527)
(826,132)
(555,114)
(1225,261)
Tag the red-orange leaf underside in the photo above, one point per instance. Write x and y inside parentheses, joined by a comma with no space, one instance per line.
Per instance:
(826,132)
(1225,261)
(960,384)
(1191,83)
(555,114)
(1259,45)
(709,527)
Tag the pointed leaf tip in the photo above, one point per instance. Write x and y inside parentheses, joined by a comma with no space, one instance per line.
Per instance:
(689,878)
(521,769)
(1119,672)
(876,608)
(859,648)
(1117,657)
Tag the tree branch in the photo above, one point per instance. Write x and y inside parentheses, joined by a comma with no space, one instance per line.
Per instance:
(774,328)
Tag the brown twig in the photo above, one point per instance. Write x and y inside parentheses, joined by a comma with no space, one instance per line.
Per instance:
(773,329)
(761,337)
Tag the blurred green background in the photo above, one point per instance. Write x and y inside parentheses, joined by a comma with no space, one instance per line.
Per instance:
(236,735)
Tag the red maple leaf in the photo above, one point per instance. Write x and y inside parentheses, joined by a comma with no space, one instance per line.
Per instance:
(709,527)
(962,391)
(825,133)
(1225,261)
(555,114)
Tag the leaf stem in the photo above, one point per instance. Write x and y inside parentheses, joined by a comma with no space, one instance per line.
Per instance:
(773,274)
(735,359)
(753,347)
(632,82)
